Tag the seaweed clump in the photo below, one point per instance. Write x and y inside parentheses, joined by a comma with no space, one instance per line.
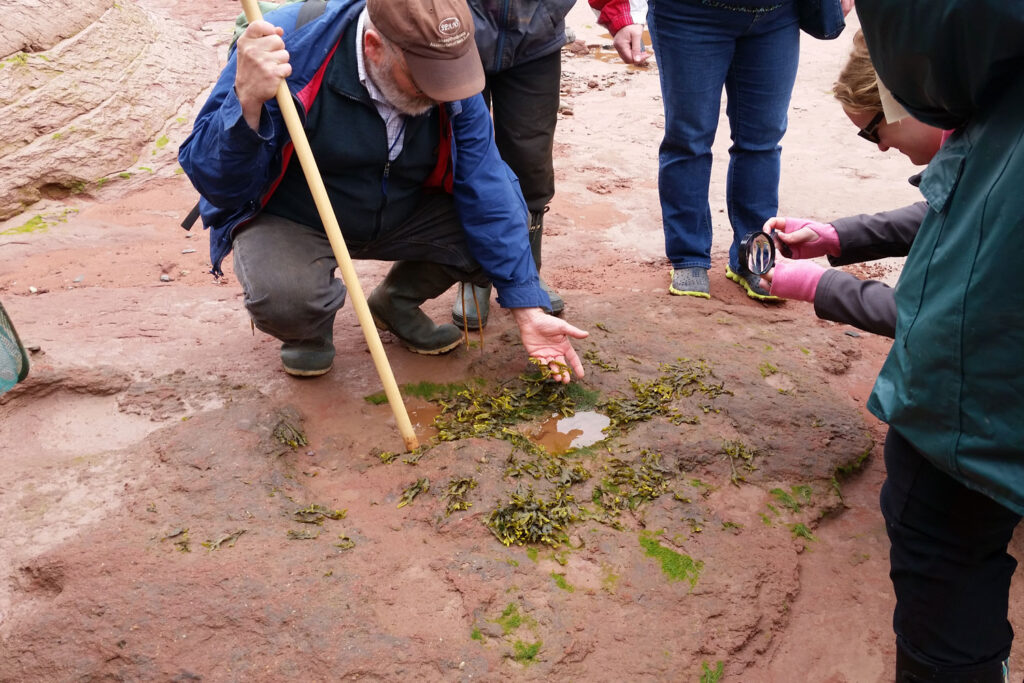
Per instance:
(653,398)
(627,485)
(455,494)
(528,518)
(472,412)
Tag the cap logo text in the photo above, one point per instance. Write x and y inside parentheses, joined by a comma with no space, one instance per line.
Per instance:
(449,25)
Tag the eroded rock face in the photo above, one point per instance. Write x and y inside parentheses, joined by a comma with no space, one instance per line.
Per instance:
(31,25)
(87,89)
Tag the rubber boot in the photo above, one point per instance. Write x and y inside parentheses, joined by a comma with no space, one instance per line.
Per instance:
(469,312)
(395,306)
(310,357)
(536,235)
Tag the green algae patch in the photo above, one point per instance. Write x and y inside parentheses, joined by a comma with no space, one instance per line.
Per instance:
(428,391)
(560,581)
(795,498)
(35,224)
(526,653)
(40,223)
(709,675)
(510,619)
(676,566)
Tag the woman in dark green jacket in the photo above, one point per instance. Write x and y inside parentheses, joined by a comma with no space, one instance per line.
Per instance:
(952,389)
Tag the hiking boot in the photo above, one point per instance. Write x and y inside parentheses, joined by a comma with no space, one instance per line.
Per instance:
(690,282)
(395,307)
(472,304)
(536,235)
(308,358)
(751,283)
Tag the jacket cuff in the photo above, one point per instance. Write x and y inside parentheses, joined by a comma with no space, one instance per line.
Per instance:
(523,296)
(236,125)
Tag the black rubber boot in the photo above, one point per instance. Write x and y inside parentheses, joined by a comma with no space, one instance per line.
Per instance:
(395,306)
(536,235)
(310,357)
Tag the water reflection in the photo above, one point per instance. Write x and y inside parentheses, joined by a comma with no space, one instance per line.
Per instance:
(558,434)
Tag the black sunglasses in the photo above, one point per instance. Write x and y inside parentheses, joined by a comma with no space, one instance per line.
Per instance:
(870,132)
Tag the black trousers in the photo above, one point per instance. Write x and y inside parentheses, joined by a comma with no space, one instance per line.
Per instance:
(950,571)
(524,103)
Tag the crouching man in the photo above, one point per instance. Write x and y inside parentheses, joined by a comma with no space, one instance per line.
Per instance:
(390,95)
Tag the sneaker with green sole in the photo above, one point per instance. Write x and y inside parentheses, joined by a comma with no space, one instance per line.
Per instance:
(690,282)
(751,283)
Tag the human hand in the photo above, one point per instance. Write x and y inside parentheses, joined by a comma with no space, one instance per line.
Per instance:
(262,65)
(629,43)
(847,5)
(546,338)
(796,280)
(803,238)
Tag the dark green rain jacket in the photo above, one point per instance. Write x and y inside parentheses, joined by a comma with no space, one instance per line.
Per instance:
(953,384)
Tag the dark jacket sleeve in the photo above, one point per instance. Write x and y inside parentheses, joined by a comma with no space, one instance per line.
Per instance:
(873,236)
(866,304)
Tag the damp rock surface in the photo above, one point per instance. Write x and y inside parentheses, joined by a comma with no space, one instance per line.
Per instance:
(174,507)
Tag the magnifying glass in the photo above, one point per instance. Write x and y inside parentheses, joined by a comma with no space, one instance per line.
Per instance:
(757,252)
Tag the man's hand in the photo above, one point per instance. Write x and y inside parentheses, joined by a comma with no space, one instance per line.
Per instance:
(262,65)
(546,338)
(629,43)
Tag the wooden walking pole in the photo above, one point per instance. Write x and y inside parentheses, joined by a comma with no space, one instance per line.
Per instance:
(348,273)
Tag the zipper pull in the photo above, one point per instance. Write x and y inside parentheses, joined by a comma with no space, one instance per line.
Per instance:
(384,178)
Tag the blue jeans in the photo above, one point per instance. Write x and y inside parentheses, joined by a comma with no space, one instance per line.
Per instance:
(751,47)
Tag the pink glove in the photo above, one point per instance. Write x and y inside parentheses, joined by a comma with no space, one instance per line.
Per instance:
(824,242)
(796,279)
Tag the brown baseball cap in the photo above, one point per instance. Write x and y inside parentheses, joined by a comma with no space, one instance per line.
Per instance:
(436,38)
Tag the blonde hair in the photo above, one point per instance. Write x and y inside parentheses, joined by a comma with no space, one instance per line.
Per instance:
(857,85)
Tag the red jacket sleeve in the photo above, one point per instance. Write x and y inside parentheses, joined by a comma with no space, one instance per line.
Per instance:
(612,14)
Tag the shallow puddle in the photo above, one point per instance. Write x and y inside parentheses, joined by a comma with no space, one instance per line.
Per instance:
(422,414)
(558,434)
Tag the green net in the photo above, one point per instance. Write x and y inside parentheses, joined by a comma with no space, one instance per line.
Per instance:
(13,360)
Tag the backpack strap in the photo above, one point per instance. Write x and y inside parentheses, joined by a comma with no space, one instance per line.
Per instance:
(310,10)
(442,177)
(191,218)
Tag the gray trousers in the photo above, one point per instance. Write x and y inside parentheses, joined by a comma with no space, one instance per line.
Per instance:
(286,269)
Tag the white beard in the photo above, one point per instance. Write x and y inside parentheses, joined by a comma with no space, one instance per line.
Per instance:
(380,74)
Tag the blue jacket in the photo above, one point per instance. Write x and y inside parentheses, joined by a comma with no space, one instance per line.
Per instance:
(510,32)
(236,169)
